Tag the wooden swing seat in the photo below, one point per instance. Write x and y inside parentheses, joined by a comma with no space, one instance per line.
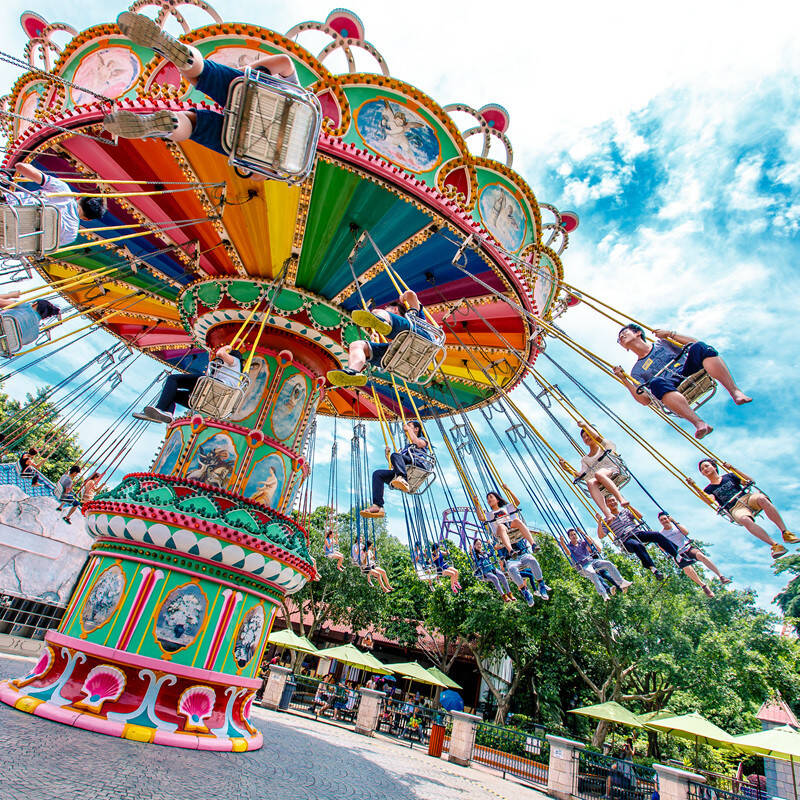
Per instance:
(415,356)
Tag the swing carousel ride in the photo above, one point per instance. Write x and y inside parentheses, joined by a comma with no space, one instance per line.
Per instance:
(163,635)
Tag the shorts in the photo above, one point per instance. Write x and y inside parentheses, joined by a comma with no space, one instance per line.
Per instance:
(745,507)
(69,499)
(379,349)
(214,81)
(698,352)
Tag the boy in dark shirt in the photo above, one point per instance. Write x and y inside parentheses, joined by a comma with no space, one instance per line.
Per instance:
(742,503)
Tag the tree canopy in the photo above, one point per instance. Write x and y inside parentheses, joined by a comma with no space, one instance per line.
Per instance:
(659,646)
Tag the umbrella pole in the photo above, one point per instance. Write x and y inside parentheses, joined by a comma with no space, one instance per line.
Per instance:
(794,780)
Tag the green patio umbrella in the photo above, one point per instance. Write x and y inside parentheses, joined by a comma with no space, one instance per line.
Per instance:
(783,743)
(651,716)
(444,678)
(695,728)
(416,672)
(351,655)
(610,712)
(289,639)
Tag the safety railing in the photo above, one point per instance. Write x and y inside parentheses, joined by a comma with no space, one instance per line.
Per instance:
(409,722)
(28,617)
(613,778)
(739,790)
(32,482)
(520,753)
(316,698)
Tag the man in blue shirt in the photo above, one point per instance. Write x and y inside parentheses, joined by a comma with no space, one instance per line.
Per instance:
(665,354)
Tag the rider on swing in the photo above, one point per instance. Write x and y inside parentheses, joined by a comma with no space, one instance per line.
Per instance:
(398,315)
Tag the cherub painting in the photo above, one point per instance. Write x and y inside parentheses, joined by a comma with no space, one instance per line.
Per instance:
(110,71)
(398,133)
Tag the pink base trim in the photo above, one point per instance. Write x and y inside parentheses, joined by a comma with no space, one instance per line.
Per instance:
(89,722)
(134,660)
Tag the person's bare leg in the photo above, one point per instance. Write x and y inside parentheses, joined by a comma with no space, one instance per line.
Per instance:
(501,532)
(192,72)
(691,572)
(718,370)
(383,314)
(339,560)
(599,498)
(185,128)
(71,511)
(603,477)
(749,524)
(519,525)
(357,355)
(679,406)
(772,513)
(706,561)
(8,299)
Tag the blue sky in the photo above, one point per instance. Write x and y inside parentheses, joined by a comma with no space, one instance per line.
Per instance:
(674,135)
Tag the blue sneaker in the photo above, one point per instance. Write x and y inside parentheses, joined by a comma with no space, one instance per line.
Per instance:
(543,590)
(526,594)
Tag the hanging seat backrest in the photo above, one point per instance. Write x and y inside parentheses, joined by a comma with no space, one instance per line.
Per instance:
(213,394)
(745,490)
(419,479)
(609,460)
(271,126)
(417,354)
(28,230)
(18,326)
(698,388)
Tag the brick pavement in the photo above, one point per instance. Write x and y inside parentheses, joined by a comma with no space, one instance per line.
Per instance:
(301,760)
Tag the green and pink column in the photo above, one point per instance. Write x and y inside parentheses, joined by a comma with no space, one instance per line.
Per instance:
(163,637)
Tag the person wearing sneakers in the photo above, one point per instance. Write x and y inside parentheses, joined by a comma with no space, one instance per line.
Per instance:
(666,354)
(504,518)
(394,317)
(628,536)
(201,125)
(586,559)
(743,503)
(415,452)
(687,549)
(521,560)
(444,567)
(178,388)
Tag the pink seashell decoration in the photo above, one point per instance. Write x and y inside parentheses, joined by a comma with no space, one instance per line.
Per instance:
(103,683)
(42,666)
(196,704)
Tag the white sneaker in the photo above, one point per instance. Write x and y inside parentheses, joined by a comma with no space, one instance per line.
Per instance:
(144,31)
(127,125)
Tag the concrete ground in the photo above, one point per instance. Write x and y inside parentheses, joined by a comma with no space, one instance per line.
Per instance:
(301,760)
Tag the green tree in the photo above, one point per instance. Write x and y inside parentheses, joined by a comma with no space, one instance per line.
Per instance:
(789,599)
(37,423)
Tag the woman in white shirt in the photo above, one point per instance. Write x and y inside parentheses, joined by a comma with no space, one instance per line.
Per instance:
(597,469)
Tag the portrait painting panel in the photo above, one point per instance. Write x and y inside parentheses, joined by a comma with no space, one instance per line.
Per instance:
(266,481)
(170,453)
(289,406)
(110,71)
(502,215)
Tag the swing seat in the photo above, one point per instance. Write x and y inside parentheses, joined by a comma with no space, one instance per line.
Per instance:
(28,230)
(746,489)
(271,127)
(426,573)
(698,388)
(416,355)
(215,397)
(19,327)
(622,478)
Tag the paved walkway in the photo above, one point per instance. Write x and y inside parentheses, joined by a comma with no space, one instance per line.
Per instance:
(301,760)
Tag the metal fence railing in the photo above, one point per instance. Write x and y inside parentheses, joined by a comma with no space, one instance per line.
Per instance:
(739,790)
(28,617)
(319,699)
(613,778)
(520,753)
(409,722)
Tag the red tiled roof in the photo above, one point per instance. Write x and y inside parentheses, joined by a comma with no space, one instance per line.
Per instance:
(776,711)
